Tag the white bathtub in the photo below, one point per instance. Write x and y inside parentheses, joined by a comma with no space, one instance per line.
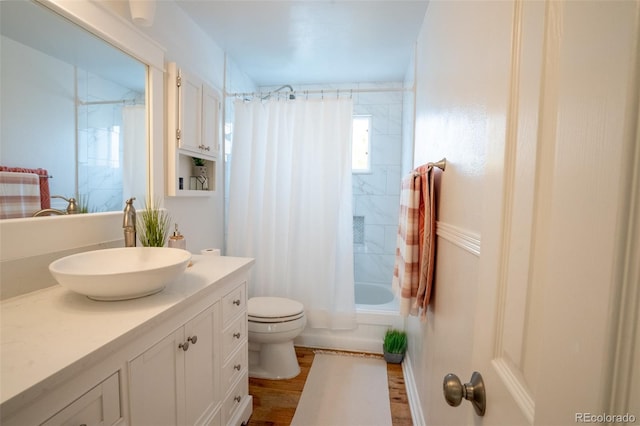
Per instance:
(377,297)
(376,312)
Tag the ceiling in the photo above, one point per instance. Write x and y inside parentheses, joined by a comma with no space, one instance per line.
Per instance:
(313,42)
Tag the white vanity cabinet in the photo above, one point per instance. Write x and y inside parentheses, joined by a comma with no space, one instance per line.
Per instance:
(174,381)
(194,130)
(99,406)
(178,357)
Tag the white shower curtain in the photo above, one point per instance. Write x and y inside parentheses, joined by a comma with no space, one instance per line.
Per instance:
(134,141)
(290,204)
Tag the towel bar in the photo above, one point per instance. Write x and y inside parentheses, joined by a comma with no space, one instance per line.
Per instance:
(442,164)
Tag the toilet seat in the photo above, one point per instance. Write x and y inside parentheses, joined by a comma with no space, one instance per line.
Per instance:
(274,310)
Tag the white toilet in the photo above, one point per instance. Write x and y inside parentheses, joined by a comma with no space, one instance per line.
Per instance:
(273,324)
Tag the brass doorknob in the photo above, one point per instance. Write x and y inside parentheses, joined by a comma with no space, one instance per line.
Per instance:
(473,391)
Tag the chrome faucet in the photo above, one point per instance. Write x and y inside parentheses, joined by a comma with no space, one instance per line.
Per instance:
(129,223)
(72,208)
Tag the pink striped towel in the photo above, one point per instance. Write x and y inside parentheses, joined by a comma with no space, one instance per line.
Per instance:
(19,194)
(415,248)
(45,196)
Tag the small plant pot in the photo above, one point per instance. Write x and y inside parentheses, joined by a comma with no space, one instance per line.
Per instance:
(199,171)
(393,358)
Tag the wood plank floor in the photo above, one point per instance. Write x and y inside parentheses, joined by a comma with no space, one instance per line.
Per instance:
(275,401)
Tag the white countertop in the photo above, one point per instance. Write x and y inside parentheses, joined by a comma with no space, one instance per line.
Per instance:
(47,331)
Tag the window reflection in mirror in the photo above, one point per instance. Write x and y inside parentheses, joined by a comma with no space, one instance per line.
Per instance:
(73,105)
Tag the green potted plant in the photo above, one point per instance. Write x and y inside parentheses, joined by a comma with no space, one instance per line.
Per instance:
(83,204)
(199,167)
(394,346)
(153,225)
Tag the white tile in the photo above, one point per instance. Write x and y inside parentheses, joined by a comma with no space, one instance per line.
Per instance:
(374,183)
(374,239)
(394,179)
(378,209)
(385,149)
(390,239)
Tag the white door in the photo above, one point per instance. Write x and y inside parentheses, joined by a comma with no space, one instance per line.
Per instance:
(556,224)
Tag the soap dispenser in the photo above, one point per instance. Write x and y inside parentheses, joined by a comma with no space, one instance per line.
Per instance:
(177,240)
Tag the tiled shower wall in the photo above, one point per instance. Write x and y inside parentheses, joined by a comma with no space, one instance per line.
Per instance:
(376,195)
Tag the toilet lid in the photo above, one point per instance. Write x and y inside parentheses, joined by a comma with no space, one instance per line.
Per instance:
(273,307)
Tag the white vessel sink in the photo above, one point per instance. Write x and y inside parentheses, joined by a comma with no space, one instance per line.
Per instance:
(120,273)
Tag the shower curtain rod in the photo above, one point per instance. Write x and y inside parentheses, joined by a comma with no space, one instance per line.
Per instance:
(322,92)
(120,101)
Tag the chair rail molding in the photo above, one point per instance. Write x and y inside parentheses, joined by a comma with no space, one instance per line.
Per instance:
(463,238)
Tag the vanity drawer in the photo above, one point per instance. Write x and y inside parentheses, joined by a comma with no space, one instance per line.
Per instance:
(235,399)
(100,405)
(234,303)
(234,336)
(235,367)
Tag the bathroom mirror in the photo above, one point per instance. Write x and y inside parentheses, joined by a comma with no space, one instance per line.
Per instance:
(74,105)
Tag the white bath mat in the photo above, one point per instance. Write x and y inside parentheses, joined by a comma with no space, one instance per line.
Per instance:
(344,391)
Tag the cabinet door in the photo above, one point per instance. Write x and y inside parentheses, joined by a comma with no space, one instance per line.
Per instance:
(190,112)
(156,383)
(202,390)
(99,406)
(210,121)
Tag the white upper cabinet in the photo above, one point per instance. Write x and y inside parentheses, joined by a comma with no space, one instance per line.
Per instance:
(194,113)
(193,119)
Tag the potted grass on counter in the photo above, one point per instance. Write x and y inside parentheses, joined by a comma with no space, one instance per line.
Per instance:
(153,225)
(394,346)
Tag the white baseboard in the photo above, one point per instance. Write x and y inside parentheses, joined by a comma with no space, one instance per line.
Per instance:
(412,392)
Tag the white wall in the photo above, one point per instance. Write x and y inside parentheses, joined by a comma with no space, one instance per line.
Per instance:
(462,60)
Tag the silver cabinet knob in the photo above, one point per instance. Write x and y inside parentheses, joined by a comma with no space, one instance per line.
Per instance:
(184,346)
(192,339)
(236,335)
(473,391)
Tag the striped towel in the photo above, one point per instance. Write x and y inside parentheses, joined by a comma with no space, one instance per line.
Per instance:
(19,194)
(415,248)
(45,195)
